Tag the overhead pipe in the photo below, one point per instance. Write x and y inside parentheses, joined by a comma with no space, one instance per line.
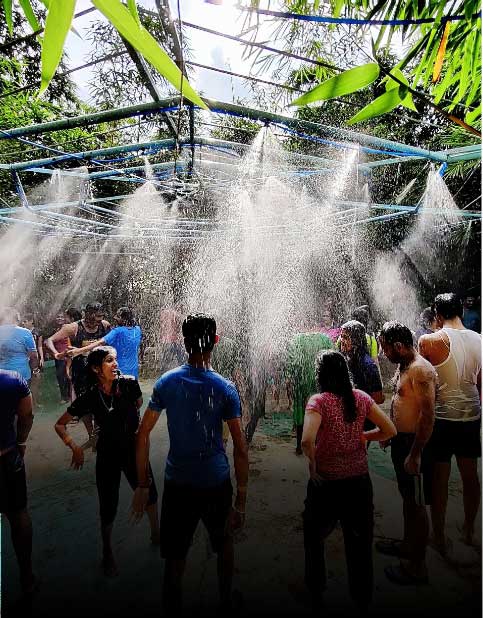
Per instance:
(219,107)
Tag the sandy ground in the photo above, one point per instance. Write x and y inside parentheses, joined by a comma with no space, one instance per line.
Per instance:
(269,552)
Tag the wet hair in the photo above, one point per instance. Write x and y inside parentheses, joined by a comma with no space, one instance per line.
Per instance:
(361,314)
(95,358)
(357,334)
(448,306)
(332,374)
(394,332)
(93,308)
(127,316)
(74,314)
(426,317)
(199,330)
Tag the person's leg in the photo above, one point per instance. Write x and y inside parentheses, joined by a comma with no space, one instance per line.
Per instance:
(21,532)
(471,495)
(417,538)
(179,518)
(130,472)
(319,520)
(357,521)
(441,472)
(225,567)
(172,587)
(108,478)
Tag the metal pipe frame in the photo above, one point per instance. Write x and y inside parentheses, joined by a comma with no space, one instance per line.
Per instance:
(169,104)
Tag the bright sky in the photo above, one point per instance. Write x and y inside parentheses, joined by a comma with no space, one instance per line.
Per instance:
(206,48)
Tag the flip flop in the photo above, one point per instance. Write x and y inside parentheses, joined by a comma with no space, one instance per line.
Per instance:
(397,575)
(389,547)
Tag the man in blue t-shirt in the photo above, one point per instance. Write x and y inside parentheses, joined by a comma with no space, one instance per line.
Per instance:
(18,351)
(125,338)
(16,405)
(197,479)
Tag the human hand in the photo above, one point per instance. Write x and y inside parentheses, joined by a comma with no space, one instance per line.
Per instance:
(77,458)
(412,464)
(139,503)
(316,478)
(384,444)
(236,521)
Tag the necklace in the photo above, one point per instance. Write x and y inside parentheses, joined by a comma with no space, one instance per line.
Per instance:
(109,408)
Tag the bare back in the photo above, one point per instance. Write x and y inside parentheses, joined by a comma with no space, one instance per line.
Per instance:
(414,391)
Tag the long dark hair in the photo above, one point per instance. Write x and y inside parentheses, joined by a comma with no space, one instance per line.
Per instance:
(333,376)
(95,359)
(357,333)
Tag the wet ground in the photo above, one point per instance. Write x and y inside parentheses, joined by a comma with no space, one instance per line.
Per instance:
(269,552)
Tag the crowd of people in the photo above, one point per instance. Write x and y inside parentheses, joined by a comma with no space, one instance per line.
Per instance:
(334,382)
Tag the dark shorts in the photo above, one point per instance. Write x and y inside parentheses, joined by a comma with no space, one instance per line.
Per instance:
(13,484)
(459,438)
(182,508)
(417,488)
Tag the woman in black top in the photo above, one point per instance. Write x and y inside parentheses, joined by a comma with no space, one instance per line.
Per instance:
(114,402)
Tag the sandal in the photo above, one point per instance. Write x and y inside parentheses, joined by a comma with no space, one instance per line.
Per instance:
(398,575)
(389,547)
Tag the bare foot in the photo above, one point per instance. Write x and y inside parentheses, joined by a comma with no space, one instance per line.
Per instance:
(109,566)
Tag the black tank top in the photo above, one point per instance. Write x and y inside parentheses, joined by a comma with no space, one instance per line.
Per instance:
(79,363)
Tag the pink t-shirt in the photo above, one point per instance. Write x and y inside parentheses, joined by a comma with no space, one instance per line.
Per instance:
(339,450)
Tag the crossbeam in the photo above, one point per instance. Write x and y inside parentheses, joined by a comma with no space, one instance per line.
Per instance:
(168,104)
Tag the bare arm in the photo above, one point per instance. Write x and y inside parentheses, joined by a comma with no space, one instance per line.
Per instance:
(25,419)
(378,396)
(140,498)
(385,428)
(61,430)
(33,360)
(240,459)
(312,422)
(424,386)
(67,331)
(40,350)
(73,352)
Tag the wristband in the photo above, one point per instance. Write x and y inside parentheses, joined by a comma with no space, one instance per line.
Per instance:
(35,372)
(238,511)
(21,444)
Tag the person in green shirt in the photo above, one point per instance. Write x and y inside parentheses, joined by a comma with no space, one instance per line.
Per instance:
(300,373)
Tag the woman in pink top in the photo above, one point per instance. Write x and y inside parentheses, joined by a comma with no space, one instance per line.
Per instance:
(339,488)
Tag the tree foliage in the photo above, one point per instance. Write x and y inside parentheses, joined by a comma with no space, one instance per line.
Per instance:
(125,20)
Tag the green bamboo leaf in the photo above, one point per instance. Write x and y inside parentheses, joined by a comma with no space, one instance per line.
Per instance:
(383,104)
(345,83)
(338,4)
(473,115)
(29,14)
(466,67)
(475,92)
(142,41)
(133,9)
(392,83)
(408,102)
(57,24)
(7,9)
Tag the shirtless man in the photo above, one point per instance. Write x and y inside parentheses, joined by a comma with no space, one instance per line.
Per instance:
(455,353)
(412,411)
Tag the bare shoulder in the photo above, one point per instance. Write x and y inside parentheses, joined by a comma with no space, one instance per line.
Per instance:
(422,370)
